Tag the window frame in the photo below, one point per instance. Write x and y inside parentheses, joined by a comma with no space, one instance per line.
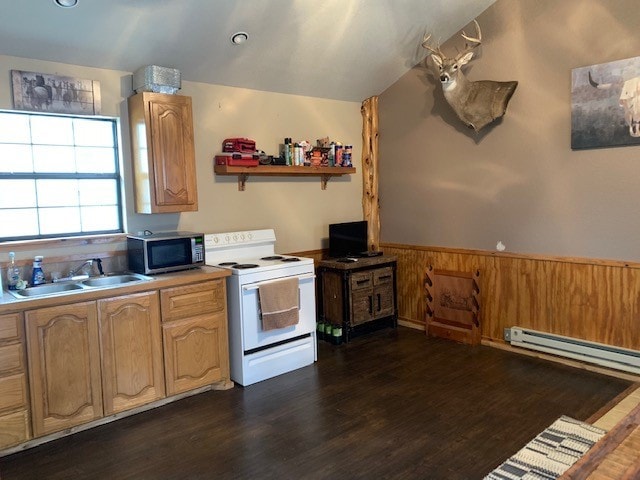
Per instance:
(115,175)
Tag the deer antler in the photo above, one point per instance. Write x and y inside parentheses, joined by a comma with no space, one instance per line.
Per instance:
(476,41)
(425,45)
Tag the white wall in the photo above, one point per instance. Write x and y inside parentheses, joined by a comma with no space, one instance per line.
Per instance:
(295,207)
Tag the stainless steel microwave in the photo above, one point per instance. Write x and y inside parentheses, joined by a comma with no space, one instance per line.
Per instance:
(165,252)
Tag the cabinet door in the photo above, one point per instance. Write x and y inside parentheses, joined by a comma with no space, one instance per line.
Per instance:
(173,152)
(162,151)
(196,352)
(361,306)
(132,372)
(332,298)
(383,297)
(64,366)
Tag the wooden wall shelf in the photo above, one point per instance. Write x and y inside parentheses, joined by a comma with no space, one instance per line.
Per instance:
(325,173)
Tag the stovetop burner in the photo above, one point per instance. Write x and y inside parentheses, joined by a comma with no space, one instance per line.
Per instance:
(273,257)
(291,259)
(243,266)
(227,264)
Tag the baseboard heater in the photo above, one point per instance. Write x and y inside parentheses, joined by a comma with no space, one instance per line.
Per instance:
(598,353)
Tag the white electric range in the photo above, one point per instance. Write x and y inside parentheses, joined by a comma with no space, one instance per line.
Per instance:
(256,354)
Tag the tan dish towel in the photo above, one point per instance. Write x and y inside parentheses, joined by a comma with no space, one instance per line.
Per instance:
(279,303)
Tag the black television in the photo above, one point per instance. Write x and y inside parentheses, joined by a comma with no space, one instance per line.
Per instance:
(348,239)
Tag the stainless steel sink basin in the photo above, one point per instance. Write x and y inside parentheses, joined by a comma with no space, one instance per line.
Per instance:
(95,283)
(111,280)
(41,290)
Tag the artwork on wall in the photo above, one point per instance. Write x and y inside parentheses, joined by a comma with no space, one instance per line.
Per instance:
(605,104)
(54,93)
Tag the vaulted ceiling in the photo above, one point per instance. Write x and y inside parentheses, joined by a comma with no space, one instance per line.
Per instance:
(337,49)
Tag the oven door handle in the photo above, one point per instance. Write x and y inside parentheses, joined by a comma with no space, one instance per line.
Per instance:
(255,286)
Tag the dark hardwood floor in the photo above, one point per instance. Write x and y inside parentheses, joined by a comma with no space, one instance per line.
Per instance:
(391,404)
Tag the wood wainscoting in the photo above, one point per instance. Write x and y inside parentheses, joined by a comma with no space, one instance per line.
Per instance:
(590,299)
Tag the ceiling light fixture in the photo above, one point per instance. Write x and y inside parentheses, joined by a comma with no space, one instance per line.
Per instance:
(239,38)
(66,3)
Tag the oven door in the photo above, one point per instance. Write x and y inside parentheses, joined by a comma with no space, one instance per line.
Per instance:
(253,334)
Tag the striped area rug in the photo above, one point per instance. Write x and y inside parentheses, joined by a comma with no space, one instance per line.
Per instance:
(551,453)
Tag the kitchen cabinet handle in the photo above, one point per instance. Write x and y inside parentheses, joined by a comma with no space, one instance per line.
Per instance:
(379,302)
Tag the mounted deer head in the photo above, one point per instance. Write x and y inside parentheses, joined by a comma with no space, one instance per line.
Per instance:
(479,103)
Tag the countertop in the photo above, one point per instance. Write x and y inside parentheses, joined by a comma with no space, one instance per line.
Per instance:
(360,262)
(10,304)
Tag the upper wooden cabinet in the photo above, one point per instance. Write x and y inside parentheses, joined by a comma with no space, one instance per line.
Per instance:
(163,153)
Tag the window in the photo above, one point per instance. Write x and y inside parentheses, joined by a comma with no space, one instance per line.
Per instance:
(59,176)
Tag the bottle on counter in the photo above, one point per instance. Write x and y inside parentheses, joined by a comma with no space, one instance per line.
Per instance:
(13,273)
(37,276)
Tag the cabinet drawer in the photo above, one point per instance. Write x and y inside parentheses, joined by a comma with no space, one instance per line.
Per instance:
(10,327)
(383,276)
(14,428)
(11,358)
(360,280)
(192,300)
(13,392)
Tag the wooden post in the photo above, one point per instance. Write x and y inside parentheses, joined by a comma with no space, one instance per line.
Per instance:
(370,202)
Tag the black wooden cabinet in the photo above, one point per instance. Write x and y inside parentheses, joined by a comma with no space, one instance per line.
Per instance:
(358,295)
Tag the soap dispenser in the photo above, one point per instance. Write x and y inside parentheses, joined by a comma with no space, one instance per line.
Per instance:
(37,277)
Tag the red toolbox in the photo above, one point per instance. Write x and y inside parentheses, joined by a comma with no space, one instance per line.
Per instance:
(237,160)
(242,145)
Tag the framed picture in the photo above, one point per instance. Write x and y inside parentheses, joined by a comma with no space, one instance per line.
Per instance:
(54,93)
(605,104)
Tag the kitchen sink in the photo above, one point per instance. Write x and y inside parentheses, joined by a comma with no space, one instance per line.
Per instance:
(92,283)
(112,280)
(48,289)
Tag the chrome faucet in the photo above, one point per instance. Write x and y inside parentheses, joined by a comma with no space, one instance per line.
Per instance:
(77,273)
(74,271)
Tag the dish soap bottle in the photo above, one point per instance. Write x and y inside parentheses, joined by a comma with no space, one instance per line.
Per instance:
(37,277)
(13,273)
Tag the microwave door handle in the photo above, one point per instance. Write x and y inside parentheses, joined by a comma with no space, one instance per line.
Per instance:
(255,286)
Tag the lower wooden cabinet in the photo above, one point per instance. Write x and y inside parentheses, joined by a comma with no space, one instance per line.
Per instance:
(101,357)
(196,346)
(196,352)
(15,425)
(130,337)
(64,366)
